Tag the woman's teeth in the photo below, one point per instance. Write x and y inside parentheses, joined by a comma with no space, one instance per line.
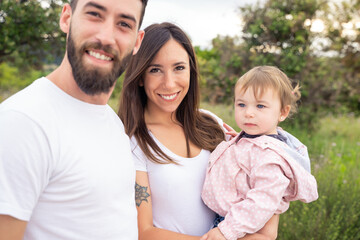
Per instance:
(169,97)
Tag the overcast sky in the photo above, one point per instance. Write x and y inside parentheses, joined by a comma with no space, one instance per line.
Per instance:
(202,20)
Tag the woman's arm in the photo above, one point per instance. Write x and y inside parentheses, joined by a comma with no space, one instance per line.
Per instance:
(145,218)
(268,232)
(11,228)
(271,227)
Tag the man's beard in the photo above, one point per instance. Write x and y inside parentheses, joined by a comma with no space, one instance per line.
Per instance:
(93,80)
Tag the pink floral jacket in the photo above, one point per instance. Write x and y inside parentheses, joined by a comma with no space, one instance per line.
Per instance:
(250,180)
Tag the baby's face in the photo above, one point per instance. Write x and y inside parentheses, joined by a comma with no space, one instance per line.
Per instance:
(257,115)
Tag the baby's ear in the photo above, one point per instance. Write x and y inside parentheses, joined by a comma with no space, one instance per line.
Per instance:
(284,113)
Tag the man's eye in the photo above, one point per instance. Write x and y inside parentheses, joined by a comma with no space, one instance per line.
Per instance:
(95,14)
(124,24)
(260,106)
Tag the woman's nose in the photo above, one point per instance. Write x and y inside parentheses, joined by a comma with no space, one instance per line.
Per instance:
(169,80)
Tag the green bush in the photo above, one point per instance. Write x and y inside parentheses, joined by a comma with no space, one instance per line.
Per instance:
(13,79)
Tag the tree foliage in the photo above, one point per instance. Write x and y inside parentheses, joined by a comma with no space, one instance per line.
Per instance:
(30,34)
(276,33)
(279,33)
(221,67)
(343,28)
(326,64)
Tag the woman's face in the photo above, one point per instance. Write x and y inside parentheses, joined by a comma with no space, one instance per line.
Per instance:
(167,79)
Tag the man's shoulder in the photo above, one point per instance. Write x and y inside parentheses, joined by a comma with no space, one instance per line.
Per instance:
(32,102)
(25,98)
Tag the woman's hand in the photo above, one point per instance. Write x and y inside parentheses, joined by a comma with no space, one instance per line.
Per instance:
(230,131)
(213,234)
(268,232)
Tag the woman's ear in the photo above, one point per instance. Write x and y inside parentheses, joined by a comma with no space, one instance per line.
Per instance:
(141,83)
(284,113)
(65,18)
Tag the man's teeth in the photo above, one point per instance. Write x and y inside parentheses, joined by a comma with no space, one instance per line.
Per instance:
(99,56)
(169,97)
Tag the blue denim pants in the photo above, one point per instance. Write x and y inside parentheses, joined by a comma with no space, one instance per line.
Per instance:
(217,220)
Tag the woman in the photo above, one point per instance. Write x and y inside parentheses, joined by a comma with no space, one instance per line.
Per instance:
(171,139)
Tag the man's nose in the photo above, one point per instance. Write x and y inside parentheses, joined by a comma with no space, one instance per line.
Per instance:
(106,34)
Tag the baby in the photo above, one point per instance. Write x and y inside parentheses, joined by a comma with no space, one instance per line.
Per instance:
(256,174)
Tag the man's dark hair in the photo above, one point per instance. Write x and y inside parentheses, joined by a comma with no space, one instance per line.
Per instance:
(73,4)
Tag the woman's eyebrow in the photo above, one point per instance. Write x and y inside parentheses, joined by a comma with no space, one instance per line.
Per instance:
(179,63)
(155,65)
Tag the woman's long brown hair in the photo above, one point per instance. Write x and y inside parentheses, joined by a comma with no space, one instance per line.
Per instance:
(199,128)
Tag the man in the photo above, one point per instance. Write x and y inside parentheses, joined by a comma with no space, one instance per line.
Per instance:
(66,170)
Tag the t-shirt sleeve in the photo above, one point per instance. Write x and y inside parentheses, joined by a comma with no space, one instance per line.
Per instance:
(140,160)
(24,168)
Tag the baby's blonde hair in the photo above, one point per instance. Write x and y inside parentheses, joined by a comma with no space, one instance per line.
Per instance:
(262,78)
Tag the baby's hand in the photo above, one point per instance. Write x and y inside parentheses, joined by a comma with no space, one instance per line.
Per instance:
(213,234)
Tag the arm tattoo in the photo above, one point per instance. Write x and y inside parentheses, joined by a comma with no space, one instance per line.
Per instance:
(141,194)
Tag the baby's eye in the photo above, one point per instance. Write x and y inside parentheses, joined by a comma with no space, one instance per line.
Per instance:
(260,106)
(241,104)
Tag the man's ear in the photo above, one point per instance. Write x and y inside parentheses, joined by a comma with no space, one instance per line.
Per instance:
(284,113)
(140,37)
(65,18)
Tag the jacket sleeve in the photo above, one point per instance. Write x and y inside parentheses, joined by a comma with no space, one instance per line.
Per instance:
(268,185)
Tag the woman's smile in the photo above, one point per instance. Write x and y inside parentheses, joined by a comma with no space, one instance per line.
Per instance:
(169,97)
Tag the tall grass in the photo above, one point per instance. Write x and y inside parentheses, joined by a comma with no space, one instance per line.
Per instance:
(334,148)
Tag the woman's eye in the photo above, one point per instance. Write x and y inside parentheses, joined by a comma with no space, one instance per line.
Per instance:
(154,70)
(179,68)
(260,106)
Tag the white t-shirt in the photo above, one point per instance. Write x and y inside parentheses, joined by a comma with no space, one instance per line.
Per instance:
(176,190)
(65,167)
